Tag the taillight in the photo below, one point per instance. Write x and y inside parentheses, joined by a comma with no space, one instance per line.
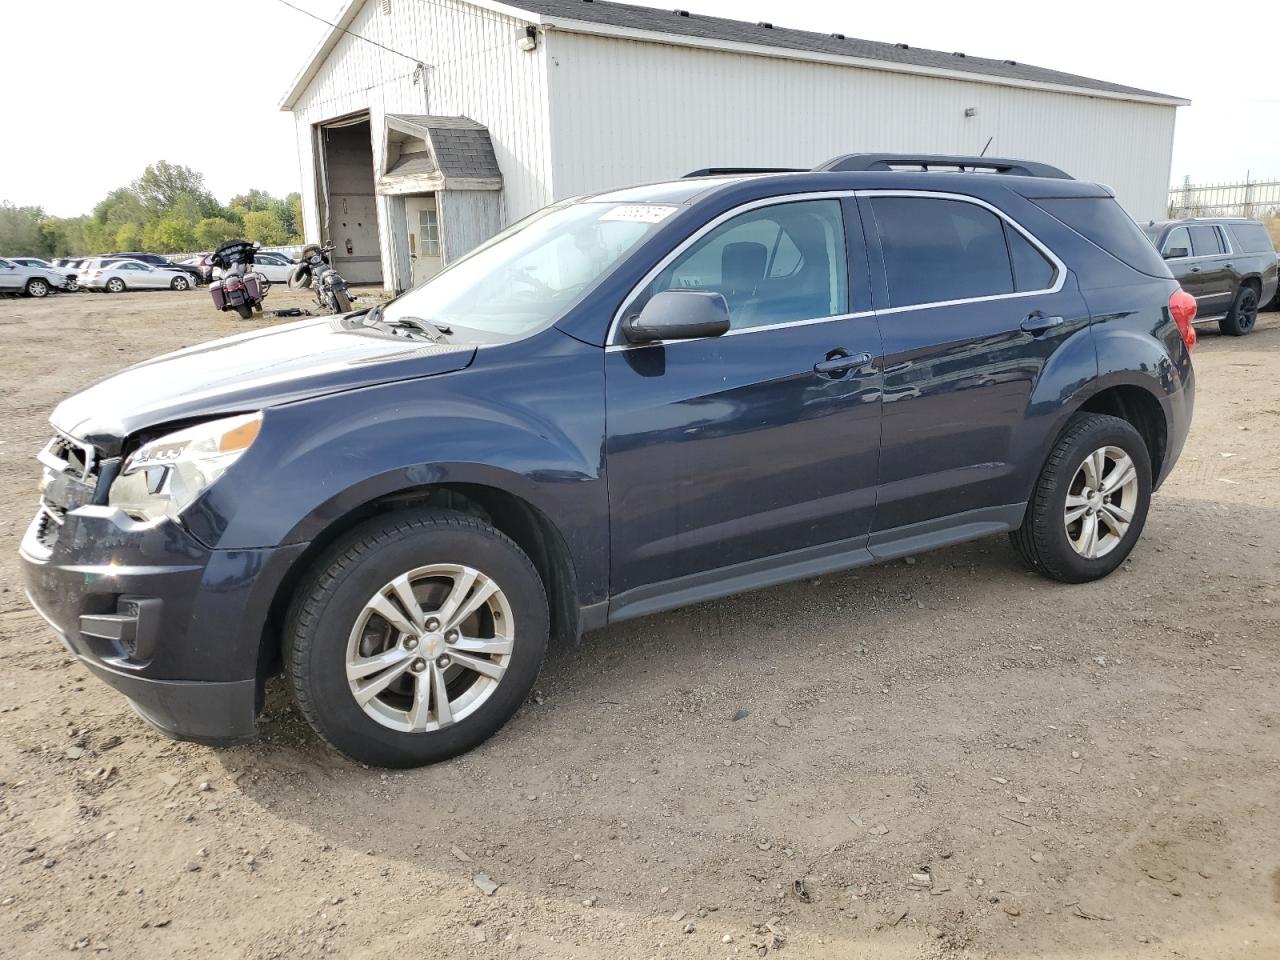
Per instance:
(1183,307)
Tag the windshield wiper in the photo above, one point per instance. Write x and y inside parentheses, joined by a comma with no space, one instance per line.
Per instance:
(436,331)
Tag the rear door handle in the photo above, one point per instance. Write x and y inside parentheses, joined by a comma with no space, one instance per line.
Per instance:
(1038,323)
(840,361)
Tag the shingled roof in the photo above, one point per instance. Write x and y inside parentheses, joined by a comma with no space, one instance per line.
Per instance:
(681,26)
(457,149)
(683,23)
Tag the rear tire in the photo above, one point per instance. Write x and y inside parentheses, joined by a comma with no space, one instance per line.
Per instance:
(115,285)
(342,301)
(245,311)
(37,288)
(411,565)
(1053,539)
(1242,316)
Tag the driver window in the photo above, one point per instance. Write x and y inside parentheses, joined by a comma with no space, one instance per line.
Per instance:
(777,264)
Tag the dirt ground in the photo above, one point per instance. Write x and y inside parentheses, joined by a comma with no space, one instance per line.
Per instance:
(942,757)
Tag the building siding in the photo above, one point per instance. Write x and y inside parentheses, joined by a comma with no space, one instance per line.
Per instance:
(624,111)
(473,69)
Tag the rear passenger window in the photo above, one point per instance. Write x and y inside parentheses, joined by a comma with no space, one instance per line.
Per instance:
(777,264)
(1103,222)
(937,250)
(1251,237)
(1031,269)
(1205,241)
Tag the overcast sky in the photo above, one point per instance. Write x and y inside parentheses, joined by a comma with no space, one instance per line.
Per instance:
(93,92)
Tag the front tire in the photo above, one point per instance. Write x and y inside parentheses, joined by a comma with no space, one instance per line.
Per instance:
(415,637)
(37,288)
(115,285)
(1090,503)
(180,283)
(1243,314)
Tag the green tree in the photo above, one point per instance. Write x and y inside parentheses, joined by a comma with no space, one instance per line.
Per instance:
(169,235)
(264,227)
(128,237)
(20,233)
(293,222)
(162,184)
(254,200)
(213,230)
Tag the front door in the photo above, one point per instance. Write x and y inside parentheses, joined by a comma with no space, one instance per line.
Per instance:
(423,221)
(732,457)
(974,310)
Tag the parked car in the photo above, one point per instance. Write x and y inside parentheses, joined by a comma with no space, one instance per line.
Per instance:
(71,267)
(203,265)
(629,402)
(61,277)
(116,276)
(19,276)
(1274,302)
(275,267)
(1228,265)
(156,260)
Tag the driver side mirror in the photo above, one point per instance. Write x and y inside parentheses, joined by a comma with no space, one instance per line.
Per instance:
(1176,253)
(678,315)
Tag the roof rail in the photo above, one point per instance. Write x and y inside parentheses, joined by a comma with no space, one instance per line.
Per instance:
(928,161)
(730,171)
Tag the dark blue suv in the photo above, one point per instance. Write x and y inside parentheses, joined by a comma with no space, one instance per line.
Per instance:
(624,403)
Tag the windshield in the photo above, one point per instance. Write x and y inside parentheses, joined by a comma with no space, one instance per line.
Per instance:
(529,275)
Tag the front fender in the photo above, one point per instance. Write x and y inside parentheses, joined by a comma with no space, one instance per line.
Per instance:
(527,422)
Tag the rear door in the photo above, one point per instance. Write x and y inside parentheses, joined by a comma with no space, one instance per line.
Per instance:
(974,309)
(728,451)
(1210,265)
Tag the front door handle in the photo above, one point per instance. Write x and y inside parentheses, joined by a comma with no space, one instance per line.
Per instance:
(1038,323)
(840,361)
(1195,269)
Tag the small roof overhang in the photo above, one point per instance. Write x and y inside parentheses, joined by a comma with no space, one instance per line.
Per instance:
(425,153)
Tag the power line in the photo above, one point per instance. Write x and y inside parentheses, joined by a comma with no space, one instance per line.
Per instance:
(350,33)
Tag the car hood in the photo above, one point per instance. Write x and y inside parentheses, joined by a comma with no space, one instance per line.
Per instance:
(250,371)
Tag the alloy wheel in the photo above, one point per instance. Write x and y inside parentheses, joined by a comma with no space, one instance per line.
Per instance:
(37,288)
(1247,314)
(1101,502)
(430,648)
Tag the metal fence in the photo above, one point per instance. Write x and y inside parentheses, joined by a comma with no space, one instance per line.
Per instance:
(1249,198)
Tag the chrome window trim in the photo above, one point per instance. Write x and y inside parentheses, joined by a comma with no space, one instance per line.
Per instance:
(1060,268)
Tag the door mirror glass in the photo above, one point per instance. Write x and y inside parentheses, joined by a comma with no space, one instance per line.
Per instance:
(679,315)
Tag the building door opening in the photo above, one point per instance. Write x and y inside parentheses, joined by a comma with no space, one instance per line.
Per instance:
(422,218)
(349,217)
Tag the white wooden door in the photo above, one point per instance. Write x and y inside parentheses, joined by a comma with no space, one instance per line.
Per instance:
(423,220)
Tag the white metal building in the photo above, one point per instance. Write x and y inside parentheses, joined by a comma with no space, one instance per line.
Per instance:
(425,126)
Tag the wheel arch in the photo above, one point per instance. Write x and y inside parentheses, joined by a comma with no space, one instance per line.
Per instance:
(511,514)
(1139,407)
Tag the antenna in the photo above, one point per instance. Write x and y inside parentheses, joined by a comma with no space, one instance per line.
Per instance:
(984,149)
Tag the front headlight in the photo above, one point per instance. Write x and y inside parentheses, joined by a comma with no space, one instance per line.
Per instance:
(163,477)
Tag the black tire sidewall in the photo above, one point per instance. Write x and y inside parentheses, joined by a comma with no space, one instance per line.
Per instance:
(1232,324)
(1052,533)
(317,654)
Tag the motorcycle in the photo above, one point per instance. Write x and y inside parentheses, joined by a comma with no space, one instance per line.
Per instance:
(240,288)
(315,271)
